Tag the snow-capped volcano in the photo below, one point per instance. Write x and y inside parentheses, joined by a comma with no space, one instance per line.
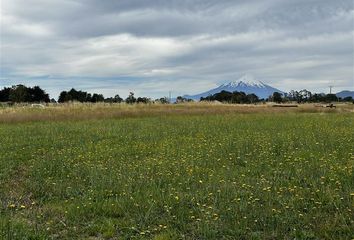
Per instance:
(247,84)
(245,81)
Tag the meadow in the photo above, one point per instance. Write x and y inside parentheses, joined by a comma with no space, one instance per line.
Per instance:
(176,172)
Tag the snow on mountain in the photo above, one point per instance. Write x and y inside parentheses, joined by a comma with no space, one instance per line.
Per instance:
(247,84)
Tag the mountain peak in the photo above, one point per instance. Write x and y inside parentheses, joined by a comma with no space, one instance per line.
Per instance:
(246,83)
(245,80)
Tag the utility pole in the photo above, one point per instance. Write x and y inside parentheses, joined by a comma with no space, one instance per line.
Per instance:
(170,96)
(330,89)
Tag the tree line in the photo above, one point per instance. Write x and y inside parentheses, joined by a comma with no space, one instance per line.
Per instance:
(232,97)
(303,96)
(21,93)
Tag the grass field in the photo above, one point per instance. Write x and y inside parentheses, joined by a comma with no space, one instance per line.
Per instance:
(196,174)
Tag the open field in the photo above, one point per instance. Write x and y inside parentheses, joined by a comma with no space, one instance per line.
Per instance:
(80,111)
(177,172)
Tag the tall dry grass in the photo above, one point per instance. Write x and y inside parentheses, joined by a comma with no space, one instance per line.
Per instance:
(84,111)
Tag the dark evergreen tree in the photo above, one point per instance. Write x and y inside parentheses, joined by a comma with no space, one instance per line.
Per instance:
(19,93)
(63,97)
(97,98)
(80,96)
(252,98)
(38,95)
(277,97)
(5,94)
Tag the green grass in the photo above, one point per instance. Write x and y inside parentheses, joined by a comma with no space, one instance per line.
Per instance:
(233,176)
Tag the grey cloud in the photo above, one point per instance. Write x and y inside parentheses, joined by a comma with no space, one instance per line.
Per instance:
(174,18)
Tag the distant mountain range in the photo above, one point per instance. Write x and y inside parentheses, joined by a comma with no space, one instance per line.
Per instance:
(247,84)
(344,94)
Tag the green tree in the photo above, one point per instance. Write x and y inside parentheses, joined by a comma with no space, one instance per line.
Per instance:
(97,98)
(117,99)
(181,99)
(143,100)
(38,95)
(348,99)
(331,98)
(252,98)
(130,99)
(239,97)
(63,97)
(80,96)
(19,93)
(277,97)
(163,100)
(5,94)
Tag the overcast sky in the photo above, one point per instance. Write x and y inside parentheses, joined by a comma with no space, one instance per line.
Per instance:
(186,46)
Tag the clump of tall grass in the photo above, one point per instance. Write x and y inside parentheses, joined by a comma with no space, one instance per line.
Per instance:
(85,111)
